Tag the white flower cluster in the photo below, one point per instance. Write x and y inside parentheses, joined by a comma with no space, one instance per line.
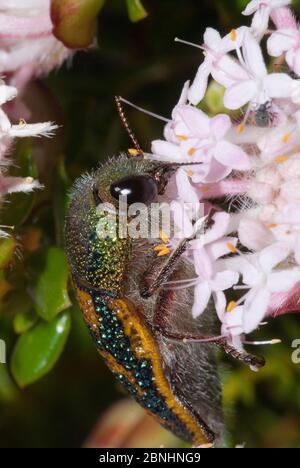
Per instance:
(255,251)
(8,133)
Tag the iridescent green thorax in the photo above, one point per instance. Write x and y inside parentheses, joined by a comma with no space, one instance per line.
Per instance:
(107,257)
(97,255)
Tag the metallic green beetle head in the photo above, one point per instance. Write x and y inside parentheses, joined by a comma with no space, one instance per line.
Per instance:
(91,257)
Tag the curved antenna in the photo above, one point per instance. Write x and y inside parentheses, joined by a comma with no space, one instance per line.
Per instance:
(125,122)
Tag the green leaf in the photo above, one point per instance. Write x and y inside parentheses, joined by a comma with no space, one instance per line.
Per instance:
(7,250)
(51,296)
(136,11)
(75,21)
(8,389)
(23,321)
(38,350)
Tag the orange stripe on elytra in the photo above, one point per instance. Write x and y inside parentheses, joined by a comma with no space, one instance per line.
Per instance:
(143,345)
(133,326)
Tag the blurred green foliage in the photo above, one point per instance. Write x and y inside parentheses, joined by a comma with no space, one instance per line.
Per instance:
(141,62)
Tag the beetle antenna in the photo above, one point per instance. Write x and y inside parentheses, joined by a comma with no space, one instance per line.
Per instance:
(125,122)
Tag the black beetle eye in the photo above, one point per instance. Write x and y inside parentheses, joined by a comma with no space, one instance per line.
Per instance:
(137,189)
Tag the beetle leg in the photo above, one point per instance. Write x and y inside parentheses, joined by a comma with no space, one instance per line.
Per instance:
(162,272)
(160,325)
(221,341)
(159,273)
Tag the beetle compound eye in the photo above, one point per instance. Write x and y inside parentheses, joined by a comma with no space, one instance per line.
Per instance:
(137,189)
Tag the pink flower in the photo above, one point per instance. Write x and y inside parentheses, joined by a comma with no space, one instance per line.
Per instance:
(253,83)
(8,132)
(216,61)
(211,246)
(232,321)
(286,40)
(27,45)
(17,184)
(262,9)
(204,140)
(264,279)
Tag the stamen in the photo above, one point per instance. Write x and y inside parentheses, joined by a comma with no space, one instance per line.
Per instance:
(190,173)
(286,137)
(233,35)
(189,280)
(192,44)
(231,306)
(164,237)
(232,248)
(272,226)
(262,343)
(164,252)
(240,288)
(182,137)
(240,128)
(192,151)
(281,159)
(22,123)
(145,111)
(159,247)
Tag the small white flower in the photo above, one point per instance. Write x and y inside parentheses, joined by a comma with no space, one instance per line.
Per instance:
(263,279)
(8,132)
(262,10)
(253,84)
(216,63)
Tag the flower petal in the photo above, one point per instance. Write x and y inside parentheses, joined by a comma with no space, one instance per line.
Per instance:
(186,191)
(168,151)
(227,71)
(279,85)
(251,8)
(271,256)
(253,56)
(202,262)
(256,309)
(233,322)
(260,22)
(224,280)
(220,304)
(283,281)
(195,120)
(202,297)
(220,247)
(254,235)
(220,126)
(231,155)
(221,223)
(239,94)
(199,86)
(281,41)
(212,39)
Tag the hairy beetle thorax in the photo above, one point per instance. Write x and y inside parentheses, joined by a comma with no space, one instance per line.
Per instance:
(97,256)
